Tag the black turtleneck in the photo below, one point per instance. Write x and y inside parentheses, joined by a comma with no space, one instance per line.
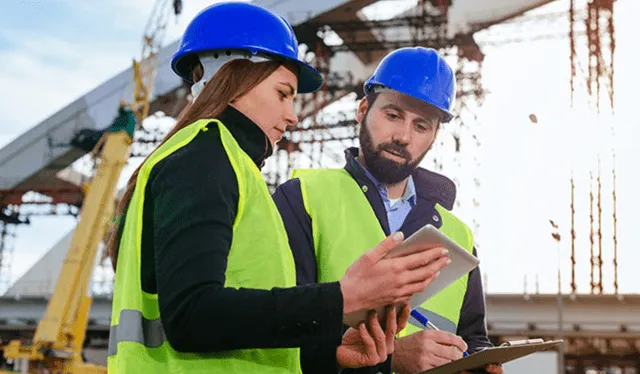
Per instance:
(190,206)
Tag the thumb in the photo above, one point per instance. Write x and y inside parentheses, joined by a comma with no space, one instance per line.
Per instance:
(386,246)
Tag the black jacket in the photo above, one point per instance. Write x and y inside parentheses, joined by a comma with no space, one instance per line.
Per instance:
(431,188)
(189,209)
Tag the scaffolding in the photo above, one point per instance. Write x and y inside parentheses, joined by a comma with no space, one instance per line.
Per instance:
(325,132)
(320,140)
(7,237)
(329,126)
(601,43)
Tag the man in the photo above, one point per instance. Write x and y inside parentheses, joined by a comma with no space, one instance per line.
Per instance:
(334,215)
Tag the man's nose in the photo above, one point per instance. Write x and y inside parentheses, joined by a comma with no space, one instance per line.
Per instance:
(403,132)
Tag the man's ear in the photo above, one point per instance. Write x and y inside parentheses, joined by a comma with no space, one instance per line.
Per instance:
(363,106)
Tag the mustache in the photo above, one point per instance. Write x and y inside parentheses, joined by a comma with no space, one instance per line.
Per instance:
(395,148)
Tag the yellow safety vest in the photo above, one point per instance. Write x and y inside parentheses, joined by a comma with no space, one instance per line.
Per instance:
(345,226)
(137,343)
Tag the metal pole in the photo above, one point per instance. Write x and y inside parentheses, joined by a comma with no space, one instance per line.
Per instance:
(555,234)
(561,369)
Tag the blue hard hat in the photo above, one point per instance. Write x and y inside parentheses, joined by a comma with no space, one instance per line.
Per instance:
(237,25)
(419,72)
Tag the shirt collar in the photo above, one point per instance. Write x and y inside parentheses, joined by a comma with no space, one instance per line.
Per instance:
(409,191)
(428,185)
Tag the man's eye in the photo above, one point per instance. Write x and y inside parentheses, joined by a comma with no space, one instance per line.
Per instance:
(393,115)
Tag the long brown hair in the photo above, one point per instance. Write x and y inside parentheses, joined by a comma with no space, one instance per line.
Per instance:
(234,79)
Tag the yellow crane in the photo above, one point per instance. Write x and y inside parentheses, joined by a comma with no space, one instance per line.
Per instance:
(60,334)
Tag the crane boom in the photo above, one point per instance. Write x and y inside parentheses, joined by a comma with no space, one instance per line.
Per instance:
(145,71)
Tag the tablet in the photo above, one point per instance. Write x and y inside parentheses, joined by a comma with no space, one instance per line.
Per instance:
(462,262)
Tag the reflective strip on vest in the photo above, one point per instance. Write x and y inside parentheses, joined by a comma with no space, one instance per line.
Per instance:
(133,327)
(439,321)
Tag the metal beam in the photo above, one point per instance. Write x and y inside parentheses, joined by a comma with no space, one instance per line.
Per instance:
(598,316)
(36,157)
(21,310)
(58,195)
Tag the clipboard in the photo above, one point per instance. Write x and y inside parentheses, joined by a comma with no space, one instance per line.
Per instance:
(494,355)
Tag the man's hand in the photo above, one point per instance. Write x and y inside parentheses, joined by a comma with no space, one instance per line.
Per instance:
(425,350)
(369,345)
(494,369)
(490,369)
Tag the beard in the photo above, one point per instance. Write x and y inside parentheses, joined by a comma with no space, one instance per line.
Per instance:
(385,170)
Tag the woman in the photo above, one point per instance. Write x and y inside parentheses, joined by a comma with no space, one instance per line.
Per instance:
(205,278)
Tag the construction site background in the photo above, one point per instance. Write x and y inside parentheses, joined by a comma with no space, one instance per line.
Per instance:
(542,152)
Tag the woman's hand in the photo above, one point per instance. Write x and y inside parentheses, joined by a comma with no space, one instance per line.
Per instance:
(369,345)
(374,280)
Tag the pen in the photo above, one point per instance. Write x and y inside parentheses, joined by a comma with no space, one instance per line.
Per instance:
(426,323)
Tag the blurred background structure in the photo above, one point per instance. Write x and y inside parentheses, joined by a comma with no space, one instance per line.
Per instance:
(572,168)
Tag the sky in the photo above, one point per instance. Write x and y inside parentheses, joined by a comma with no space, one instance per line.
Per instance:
(52,53)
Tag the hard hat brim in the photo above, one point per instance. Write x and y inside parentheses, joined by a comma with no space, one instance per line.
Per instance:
(309,79)
(447,116)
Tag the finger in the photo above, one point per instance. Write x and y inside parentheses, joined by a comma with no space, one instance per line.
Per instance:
(378,335)
(423,272)
(457,353)
(405,292)
(423,277)
(447,338)
(385,246)
(369,346)
(404,317)
(367,339)
(446,352)
(391,328)
(422,258)
(494,369)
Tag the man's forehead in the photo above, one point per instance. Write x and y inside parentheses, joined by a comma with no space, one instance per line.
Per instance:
(406,103)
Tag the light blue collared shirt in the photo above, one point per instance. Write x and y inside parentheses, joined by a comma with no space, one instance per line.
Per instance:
(396,213)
